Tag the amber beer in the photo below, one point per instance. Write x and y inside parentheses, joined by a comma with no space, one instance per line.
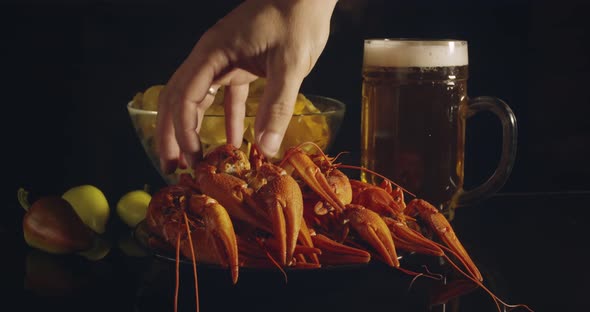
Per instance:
(414,97)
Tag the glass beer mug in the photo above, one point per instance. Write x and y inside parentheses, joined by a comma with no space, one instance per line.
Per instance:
(414,110)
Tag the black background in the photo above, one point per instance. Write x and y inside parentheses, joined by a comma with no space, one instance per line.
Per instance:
(69,68)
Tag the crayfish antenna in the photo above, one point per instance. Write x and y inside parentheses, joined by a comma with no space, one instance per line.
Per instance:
(376,174)
(177,271)
(194,258)
(274,262)
(479,283)
(453,289)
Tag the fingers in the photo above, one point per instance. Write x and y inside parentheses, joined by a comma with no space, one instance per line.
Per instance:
(166,145)
(187,119)
(181,109)
(276,109)
(235,110)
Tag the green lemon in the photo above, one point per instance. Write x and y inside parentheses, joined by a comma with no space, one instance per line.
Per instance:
(132,207)
(90,204)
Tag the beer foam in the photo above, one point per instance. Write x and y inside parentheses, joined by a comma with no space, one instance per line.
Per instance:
(410,53)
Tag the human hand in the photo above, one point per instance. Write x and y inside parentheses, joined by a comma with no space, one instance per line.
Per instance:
(277,39)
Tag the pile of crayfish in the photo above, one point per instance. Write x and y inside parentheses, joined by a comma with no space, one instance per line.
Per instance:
(237,210)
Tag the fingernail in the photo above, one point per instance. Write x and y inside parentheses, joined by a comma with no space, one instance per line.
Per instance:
(168,166)
(182,165)
(269,143)
(189,158)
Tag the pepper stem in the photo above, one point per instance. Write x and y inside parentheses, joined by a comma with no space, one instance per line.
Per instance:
(23,198)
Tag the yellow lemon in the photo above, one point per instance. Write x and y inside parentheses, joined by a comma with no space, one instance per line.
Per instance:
(90,204)
(132,207)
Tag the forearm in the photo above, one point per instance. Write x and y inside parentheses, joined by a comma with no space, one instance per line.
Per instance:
(323,8)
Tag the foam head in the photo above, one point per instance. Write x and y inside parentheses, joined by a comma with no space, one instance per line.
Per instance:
(414,53)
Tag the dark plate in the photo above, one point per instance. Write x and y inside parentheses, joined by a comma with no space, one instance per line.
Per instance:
(361,287)
(184,261)
(141,234)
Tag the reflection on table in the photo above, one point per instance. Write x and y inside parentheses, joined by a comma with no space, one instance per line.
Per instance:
(510,237)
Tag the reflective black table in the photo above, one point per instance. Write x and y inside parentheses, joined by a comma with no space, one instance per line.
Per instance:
(531,249)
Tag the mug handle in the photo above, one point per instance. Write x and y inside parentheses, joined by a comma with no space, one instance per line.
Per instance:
(509,136)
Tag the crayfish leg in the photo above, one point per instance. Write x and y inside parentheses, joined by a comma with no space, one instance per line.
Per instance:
(306,240)
(334,253)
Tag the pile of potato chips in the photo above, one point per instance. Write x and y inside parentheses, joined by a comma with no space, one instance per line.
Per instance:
(307,124)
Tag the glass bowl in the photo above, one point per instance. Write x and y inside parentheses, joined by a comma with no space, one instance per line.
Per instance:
(318,127)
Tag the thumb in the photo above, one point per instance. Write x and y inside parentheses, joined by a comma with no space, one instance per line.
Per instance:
(276,109)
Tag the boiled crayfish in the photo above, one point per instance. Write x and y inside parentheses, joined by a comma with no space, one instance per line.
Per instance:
(237,210)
